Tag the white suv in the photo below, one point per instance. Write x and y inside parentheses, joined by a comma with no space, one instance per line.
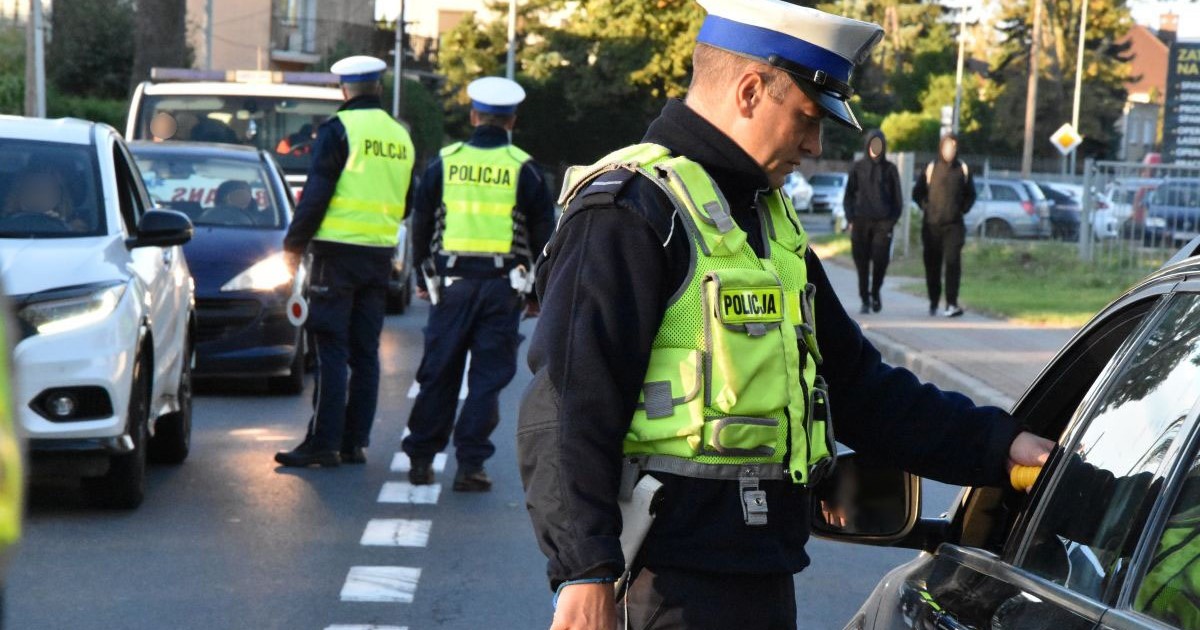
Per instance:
(103,298)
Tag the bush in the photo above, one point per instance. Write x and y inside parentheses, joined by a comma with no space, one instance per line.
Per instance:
(102,110)
(422,112)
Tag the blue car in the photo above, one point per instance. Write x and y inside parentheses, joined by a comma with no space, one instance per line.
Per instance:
(1173,213)
(241,206)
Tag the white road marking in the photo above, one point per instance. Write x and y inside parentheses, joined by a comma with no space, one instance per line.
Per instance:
(404,492)
(381,584)
(401,463)
(415,388)
(396,532)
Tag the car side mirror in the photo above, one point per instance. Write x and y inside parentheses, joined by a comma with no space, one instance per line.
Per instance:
(161,228)
(866,501)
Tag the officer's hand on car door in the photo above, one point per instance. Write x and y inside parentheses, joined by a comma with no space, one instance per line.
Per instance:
(585,607)
(1029,450)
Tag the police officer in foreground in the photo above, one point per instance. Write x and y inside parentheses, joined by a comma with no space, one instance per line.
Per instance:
(688,332)
(482,212)
(349,219)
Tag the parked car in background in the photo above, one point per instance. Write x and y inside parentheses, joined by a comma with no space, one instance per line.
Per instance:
(240,204)
(103,297)
(829,191)
(801,192)
(1006,208)
(1106,538)
(1068,206)
(1127,198)
(1173,212)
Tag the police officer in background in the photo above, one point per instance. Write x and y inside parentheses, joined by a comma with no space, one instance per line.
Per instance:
(482,213)
(689,333)
(349,219)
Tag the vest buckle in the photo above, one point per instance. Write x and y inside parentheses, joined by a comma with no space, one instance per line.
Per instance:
(754,500)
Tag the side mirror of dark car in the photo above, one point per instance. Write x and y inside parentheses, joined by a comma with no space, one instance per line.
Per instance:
(866,502)
(161,228)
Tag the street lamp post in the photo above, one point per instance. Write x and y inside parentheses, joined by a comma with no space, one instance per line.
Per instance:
(510,65)
(1078,76)
(398,79)
(35,62)
(1031,94)
(958,81)
(208,34)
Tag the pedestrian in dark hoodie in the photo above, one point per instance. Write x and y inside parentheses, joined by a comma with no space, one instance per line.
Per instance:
(873,202)
(945,192)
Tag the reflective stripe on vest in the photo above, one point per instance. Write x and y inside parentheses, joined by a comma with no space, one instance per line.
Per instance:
(368,203)
(479,197)
(731,390)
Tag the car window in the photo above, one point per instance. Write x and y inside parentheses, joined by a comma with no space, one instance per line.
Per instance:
(980,189)
(827,181)
(131,200)
(212,191)
(1181,195)
(1170,589)
(1109,476)
(1033,191)
(1004,192)
(49,190)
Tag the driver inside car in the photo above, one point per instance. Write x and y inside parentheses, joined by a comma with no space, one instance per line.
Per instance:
(42,191)
(235,205)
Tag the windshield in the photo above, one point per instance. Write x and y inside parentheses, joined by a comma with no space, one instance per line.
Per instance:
(49,190)
(284,126)
(826,181)
(211,191)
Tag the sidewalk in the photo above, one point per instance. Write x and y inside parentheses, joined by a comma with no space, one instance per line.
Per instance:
(991,360)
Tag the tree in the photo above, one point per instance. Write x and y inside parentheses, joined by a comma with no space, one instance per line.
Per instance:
(911,131)
(90,52)
(1106,68)
(160,36)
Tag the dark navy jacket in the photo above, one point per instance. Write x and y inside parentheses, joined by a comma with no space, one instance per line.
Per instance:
(605,283)
(533,199)
(329,154)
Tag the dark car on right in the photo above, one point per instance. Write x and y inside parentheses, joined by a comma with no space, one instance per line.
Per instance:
(1109,535)
(1173,213)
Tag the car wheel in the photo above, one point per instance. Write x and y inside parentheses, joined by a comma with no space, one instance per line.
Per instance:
(172,439)
(997,228)
(293,383)
(124,485)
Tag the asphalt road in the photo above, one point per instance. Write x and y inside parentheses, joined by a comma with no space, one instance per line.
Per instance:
(228,540)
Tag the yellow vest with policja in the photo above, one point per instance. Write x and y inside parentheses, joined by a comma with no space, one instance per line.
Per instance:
(479,199)
(368,203)
(731,391)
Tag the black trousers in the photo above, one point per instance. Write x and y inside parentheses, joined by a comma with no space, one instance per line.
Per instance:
(943,246)
(871,246)
(346,298)
(477,316)
(677,599)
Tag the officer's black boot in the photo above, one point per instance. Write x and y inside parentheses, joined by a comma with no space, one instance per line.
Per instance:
(471,479)
(866,306)
(354,455)
(876,303)
(421,472)
(305,455)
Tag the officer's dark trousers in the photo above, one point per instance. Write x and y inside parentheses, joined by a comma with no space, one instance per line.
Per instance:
(871,246)
(346,301)
(480,316)
(674,599)
(943,245)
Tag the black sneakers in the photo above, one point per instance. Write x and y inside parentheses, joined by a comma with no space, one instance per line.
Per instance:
(876,304)
(421,472)
(472,479)
(304,456)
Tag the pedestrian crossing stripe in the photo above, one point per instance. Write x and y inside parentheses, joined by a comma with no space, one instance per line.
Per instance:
(381,584)
(405,492)
(401,463)
(396,532)
(415,388)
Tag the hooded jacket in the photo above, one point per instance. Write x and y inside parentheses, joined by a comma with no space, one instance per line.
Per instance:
(945,190)
(873,188)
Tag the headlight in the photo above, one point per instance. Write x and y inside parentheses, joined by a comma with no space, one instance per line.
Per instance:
(1156,222)
(267,274)
(59,311)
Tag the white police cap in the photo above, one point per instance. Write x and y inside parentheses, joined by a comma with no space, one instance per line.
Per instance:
(359,69)
(819,50)
(495,95)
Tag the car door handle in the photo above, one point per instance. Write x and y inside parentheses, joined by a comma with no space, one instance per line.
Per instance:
(168,256)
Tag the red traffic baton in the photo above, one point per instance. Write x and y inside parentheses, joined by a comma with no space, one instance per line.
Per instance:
(297,306)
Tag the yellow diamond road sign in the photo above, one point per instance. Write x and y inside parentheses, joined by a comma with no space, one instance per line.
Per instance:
(1066,139)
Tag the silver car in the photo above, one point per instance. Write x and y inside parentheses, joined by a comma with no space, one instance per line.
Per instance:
(1008,208)
(1107,536)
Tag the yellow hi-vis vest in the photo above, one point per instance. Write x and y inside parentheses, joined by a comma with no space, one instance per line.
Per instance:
(368,203)
(731,391)
(479,202)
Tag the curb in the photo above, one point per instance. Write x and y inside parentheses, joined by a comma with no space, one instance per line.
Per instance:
(938,372)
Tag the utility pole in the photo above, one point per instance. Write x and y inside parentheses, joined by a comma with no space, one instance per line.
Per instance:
(510,66)
(1031,94)
(397,89)
(208,34)
(958,81)
(1078,77)
(35,62)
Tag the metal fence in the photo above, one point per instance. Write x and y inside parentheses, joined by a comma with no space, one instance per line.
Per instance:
(1136,215)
